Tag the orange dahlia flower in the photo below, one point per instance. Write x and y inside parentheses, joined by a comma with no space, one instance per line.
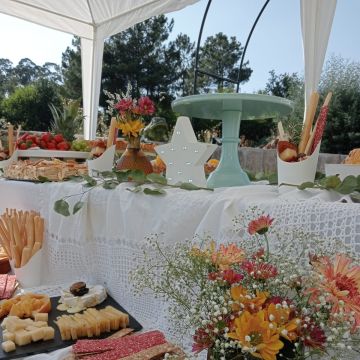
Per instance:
(339,284)
(254,334)
(227,255)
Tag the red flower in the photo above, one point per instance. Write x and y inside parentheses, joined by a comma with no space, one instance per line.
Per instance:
(231,276)
(212,276)
(313,335)
(260,225)
(259,270)
(144,106)
(202,340)
(124,105)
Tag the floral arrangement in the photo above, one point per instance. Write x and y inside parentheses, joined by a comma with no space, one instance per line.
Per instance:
(129,112)
(257,298)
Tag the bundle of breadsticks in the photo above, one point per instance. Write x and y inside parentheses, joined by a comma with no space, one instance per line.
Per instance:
(21,235)
(311,133)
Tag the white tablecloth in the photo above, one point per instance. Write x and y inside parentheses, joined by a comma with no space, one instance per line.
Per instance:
(102,242)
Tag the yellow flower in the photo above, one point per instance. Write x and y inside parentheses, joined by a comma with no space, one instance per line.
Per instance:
(255,335)
(278,316)
(249,303)
(227,255)
(131,127)
(207,252)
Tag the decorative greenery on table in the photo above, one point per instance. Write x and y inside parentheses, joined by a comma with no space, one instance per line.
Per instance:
(111,179)
(349,186)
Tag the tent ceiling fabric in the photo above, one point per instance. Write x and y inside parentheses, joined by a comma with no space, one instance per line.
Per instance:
(316,22)
(93,21)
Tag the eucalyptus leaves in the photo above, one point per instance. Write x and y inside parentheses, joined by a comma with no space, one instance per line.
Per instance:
(137,179)
(349,186)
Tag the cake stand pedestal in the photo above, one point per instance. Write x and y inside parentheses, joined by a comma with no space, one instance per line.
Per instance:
(231,109)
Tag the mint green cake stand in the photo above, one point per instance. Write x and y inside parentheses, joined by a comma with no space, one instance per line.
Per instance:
(231,109)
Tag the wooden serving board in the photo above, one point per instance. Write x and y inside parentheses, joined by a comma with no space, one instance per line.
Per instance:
(57,343)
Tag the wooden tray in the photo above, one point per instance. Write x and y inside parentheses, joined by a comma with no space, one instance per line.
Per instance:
(57,343)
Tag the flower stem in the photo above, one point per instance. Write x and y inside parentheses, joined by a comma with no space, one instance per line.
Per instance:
(267,247)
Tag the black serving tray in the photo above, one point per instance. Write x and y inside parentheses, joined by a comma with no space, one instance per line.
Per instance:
(57,343)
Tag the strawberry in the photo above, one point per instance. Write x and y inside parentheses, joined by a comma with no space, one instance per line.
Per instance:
(22,146)
(51,145)
(43,144)
(63,146)
(46,137)
(58,138)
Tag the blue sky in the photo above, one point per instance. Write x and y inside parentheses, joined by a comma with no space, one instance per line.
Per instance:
(275,44)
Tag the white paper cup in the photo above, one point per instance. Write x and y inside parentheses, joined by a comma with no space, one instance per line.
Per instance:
(105,162)
(296,173)
(30,274)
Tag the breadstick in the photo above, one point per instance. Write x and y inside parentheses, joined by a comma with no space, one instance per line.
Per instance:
(16,232)
(36,248)
(25,256)
(11,139)
(5,246)
(4,234)
(38,229)
(112,129)
(30,233)
(309,118)
(9,229)
(15,255)
(281,131)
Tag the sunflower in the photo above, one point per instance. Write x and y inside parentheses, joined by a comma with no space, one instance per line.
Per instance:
(255,335)
(339,283)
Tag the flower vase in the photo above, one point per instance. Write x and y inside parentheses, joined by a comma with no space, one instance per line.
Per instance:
(134,158)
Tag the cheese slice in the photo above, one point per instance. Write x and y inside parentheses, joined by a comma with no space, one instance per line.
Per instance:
(96,295)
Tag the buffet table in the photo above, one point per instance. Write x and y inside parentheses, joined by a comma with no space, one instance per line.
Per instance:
(102,242)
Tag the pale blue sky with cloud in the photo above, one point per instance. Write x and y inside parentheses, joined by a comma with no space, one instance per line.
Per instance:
(276,42)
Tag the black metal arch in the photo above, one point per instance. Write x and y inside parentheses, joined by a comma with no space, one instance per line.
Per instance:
(199,71)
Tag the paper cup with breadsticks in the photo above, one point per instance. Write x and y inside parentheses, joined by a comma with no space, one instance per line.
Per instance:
(297,163)
(22,237)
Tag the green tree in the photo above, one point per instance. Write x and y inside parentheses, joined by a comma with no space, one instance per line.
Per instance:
(26,71)
(29,105)
(342,132)
(186,50)
(7,83)
(142,56)
(289,86)
(220,56)
(71,71)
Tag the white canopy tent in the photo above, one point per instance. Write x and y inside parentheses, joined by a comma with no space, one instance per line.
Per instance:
(95,20)
(316,22)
